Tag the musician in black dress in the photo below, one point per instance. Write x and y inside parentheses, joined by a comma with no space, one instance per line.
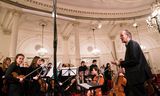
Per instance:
(34,85)
(107,78)
(13,76)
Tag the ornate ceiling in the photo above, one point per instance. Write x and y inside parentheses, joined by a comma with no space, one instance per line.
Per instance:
(90,9)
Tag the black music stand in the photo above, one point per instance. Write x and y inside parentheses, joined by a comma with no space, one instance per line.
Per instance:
(69,71)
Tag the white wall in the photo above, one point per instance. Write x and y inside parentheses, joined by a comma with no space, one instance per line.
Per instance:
(30,35)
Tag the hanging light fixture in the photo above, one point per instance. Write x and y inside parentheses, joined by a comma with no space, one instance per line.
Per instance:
(42,51)
(135,25)
(95,51)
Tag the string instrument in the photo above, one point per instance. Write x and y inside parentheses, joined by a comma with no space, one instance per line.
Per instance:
(79,78)
(118,82)
(43,85)
(42,82)
(99,80)
(14,74)
(118,86)
(75,79)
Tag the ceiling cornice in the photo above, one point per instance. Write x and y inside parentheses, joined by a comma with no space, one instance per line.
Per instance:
(82,13)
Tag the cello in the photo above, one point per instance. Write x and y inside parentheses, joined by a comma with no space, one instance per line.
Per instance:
(118,85)
(119,81)
(98,80)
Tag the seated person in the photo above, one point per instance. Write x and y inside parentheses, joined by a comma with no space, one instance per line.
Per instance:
(82,70)
(97,79)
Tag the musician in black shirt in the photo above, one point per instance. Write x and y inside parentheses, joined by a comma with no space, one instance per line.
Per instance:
(94,64)
(13,76)
(83,67)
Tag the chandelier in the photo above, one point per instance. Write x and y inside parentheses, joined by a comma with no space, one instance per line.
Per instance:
(154,18)
(95,51)
(42,51)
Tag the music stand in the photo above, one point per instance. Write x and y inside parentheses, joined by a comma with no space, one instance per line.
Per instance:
(69,71)
(50,72)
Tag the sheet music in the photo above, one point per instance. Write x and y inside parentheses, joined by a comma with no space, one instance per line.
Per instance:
(50,73)
(69,71)
(85,85)
(90,85)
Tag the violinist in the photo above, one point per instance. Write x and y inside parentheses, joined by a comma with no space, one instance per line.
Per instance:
(97,79)
(34,86)
(107,77)
(5,64)
(13,74)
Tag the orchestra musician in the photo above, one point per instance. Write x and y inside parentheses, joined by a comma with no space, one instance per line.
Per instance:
(97,79)
(107,77)
(14,77)
(94,64)
(5,64)
(34,86)
(82,70)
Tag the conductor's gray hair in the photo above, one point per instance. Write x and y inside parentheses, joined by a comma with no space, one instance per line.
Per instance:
(128,34)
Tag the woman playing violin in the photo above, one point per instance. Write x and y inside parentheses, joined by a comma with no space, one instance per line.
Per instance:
(97,79)
(13,74)
(34,86)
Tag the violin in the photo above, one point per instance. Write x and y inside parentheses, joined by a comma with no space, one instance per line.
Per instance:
(14,74)
(43,85)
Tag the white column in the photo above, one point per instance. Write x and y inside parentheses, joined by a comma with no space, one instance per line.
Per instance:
(65,50)
(114,53)
(66,34)
(14,35)
(77,47)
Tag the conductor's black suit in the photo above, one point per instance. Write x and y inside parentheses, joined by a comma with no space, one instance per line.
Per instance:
(137,70)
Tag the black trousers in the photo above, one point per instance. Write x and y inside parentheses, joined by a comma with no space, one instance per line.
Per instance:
(135,90)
